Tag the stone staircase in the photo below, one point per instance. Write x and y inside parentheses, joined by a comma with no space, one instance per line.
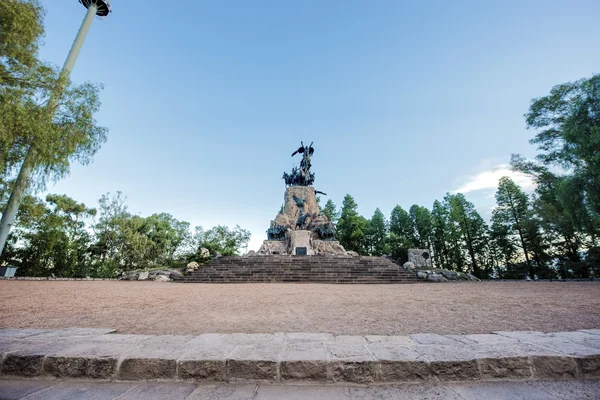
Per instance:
(314,269)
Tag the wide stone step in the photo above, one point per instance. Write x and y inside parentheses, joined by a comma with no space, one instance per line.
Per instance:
(95,354)
(320,269)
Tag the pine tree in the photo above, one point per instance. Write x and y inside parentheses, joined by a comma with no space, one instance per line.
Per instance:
(513,216)
(472,229)
(331,211)
(377,242)
(351,227)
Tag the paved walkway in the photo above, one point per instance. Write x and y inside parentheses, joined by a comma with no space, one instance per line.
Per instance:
(299,357)
(536,390)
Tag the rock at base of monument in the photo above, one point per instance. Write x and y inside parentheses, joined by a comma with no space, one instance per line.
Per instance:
(328,247)
(270,247)
(408,265)
(302,239)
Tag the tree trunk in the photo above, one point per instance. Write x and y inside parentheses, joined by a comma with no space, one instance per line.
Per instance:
(476,271)
(518,227)
(21,185)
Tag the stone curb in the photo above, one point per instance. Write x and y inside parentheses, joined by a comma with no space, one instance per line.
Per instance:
(46,278)
(101,354)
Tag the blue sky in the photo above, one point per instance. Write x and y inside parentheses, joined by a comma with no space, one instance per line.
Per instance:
(405,101)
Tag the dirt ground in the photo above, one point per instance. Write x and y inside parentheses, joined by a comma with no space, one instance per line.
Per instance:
(177,308)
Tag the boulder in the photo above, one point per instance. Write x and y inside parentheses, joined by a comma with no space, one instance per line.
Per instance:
(143,276)
(129,276)
(352,253)
(191,267)
(204,254)
(472,277)
(251,253)
(273,247)
(175,275)
(436,278)
(161,278)
(154,274)
(408,265)
(450,275)
(328,247)
(422,275)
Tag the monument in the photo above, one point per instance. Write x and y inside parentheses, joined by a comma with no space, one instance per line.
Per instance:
(300,246)
(420,257)
(301,228)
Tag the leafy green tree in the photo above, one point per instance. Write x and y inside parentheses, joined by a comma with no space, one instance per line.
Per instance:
(73,216)
(398,248)
(331,212)
(21,73)
(167,234)
(351,227)
(506,253)
(222,240)
(423,226)
(514,216)
(567,124)
(439,232)
(473,231)
(402,225)
(46,122)
(563,217)
(377,235)
(52,236)
(108,230)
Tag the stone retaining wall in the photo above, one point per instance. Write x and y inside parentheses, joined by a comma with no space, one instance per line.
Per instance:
(299,357)
(47,278)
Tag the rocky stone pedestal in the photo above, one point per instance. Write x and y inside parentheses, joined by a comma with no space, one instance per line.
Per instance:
(301,224)
(273,247)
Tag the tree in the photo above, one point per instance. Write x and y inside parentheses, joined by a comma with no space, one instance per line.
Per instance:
(167,233)
(472,229)
(221,240)
(566,203)
(568,132)
(505,251)
(513,215)
(52,236)
(47,123)
(377,243)
(402,225)
(108,231)
(331,212)
(566,221)
(421,220)
(21,72)
(351,227)
(73,216)
(439,232)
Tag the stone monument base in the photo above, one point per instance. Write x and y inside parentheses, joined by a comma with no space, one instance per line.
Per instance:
(302,238)
(300,228)
(301,243)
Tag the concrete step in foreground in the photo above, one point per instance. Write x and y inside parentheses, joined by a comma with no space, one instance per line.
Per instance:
(53,390)
(299,357)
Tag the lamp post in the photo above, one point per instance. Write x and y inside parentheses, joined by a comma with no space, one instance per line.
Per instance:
(100,8)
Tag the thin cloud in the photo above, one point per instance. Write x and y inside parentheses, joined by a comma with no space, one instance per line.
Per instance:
(488,180)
